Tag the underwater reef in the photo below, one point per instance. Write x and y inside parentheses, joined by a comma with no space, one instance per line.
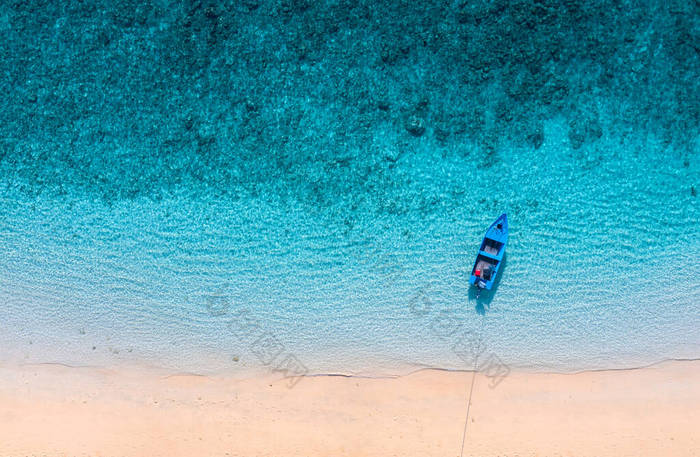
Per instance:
(331,104)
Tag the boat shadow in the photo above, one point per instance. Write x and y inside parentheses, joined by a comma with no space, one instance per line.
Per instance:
(483,303)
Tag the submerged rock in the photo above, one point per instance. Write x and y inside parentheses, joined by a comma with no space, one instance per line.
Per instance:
(415,126)
(388,54)
(489,156)
(250,5)
(536,138)
(582,131)
(294,6)
(383,105)
(474,13)
(576,139)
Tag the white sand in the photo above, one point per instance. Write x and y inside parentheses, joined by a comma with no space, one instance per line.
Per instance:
(60,411)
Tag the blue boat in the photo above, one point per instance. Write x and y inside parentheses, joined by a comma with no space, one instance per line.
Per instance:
(490,256)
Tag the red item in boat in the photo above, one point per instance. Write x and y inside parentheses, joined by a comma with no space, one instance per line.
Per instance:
(477,272)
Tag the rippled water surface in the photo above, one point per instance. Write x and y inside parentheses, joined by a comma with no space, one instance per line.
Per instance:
(219,187)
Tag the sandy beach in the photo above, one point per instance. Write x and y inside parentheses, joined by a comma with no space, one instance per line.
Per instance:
(53,410)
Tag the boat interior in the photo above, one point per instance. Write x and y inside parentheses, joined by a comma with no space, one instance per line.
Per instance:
(483,263)
(491,246)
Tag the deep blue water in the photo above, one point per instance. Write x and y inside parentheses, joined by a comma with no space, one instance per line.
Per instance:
(215,186)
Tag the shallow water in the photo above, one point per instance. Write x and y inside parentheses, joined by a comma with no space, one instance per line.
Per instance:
(219,187)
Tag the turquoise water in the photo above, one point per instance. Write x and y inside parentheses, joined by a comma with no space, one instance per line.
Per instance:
(183,182)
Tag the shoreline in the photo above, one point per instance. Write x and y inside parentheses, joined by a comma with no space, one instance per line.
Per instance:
(257,372)
(641,411)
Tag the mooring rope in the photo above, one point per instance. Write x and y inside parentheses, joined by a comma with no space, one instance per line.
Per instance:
(471,390)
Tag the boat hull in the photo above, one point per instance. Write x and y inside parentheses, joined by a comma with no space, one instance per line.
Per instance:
(490,256)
